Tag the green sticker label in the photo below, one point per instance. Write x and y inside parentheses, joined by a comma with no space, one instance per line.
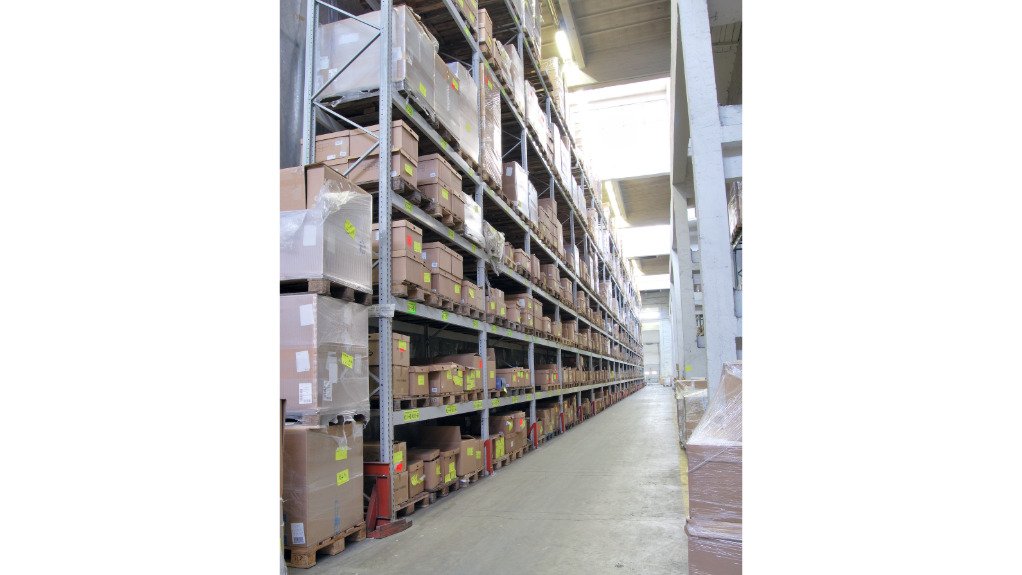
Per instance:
(341,454)
(411,415)
(451,409)
(475,324)
(408,108)
(408,206)
(409,169)
(422,89)
(347,360)
(411,307)
(508,332)
(443,144)
(342,477)
(427,277)
(350,228)
(494,402)
(444,193)
(443,315)
(421,379)
(450,234)
(477,404)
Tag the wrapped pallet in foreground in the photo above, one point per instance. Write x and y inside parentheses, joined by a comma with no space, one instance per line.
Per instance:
(714,453)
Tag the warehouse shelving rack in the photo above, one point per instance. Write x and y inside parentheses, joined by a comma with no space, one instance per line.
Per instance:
(392,310)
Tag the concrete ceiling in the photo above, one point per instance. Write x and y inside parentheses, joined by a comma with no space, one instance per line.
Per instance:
(653,265)
(645,201)
(621,40)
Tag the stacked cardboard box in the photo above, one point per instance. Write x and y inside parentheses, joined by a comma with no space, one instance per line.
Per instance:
(490,164)
(484,33)
(691,405)
(714,453)
(331,239)
(519,191)
(401,481)
(400,355)
(472,296)
(495,305)
(446,268)
(407,259)
(404,154)
(467,452)
(438,181)
(515,428)
(461,113)
(322,482)
(473,368)
(513,377)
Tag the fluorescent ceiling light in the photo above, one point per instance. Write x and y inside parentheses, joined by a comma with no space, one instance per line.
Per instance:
(563,46)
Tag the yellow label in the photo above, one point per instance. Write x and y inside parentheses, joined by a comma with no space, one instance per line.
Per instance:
(443,144)
(340,454)
(409,169)
(471,293)
(409,110)
(452,470)
(402,346)
(493,374)
(475,324)
(457,288)
(461,3)
(494,402)
(471,451)
(417,247)
(350,228)
(450,234)
(411,307)
(415,479)
(455,84)
(399,456)
(459,380)
(493,305)
(503,312)
(408,206)
(342,477)
(443,315)
(470,385)
(421,379)
(411,415)
(422,88)
(445,194)
(449,375)
(477,404)
(437,472)
(427,277)
(451,409)
(347,360)
(688,367)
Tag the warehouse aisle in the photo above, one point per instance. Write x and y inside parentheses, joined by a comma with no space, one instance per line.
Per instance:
(604,498)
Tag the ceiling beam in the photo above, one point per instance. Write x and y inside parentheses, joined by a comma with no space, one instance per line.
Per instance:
(568,20)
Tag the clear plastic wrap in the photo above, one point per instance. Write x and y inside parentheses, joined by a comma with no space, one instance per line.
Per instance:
(413,54)
(715,453)
(493,241)
(332,240)
(516,74)
(714,548)
(466,93)
(691,406)
(490,162)
(322,482)
(473,219)
(536,117)
(324,356)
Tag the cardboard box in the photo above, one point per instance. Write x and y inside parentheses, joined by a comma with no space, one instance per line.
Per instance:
(416,478)
(445,284)
(322,482)
(434,169)
(299,186)
(404,268)
(446,378)
(418,381)
(403,139)
(324,363)
(401,350)
(491,368)
(448,439)
(514,183)
(473,366)
(448,466)
(484,31)
(398,378)
(399,488)
(440,257)
(472,296)
(401,166)
(714,548)
(498,443)
(546,325)
(715,481)
(332,146)
(430,459)
(372,453)
(404,236)
(536,270)
(495,302)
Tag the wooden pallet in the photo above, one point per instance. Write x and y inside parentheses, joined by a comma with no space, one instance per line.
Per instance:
(420,501)
(499,463)
(324,286)
(408,291)
(470,478)
(412,402)
(548,387)
(305,557)
(516,391)
(443,399)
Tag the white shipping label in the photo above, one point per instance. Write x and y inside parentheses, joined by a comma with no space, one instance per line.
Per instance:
(302,363)
(328,390)
(309,235)
(304,393)
(508,171)
(306,314)
(331,368)
(347,38)
(298,533)
(331,157)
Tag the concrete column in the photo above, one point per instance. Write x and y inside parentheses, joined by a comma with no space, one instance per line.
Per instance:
(691,359)
(708,182)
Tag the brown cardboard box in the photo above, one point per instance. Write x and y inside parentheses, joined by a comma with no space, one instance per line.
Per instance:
(403,139)
(434,169)
(400,350)
(416,478)
(715,481)
(472,454)
(491,368)
(484,31)
(473,365)
(430,459)
(322,482)
(448,466)
(448,438)
(714,548)
(418,381)
(332,146)
(498,443)
(472,296)
(440,257)
(438,193)
(372,453)
(514,184)
(547,328)
(405,268)
(446,378)
(495,302)
(399,486)
(405,236)
(535,266)
(399,379)
(458,203)
(521,258)
(446,285)
(299,186)
(513,314)
(555,329)
(368,171)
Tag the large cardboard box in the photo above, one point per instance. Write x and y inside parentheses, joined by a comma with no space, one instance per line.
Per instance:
(300,186)
(418,381)
(322,482)
(416,478)
(445,378)
(472,296)
(714,548)
(440,257)
(333,146)
(448,438)
(324,363)
(399,488)
(430,459)
(473,365)
(405,268)
(400,353)
(401,166)
(715,481)
(404,236)
(399,379)
(403,139)
(491,368)
(445,284)
(448,465)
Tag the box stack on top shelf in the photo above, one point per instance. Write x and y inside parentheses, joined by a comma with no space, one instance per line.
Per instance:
(495,298)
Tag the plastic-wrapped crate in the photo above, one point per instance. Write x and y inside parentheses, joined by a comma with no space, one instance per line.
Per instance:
(493,241)
(324,356)
(490,162)
(515,74)
(536,117)
(715,453)
(473,219)
(332,240)
(463,125)
(412,55)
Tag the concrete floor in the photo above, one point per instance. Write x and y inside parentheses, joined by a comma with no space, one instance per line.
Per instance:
(606,497)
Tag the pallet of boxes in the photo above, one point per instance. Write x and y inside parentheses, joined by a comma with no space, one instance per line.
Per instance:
(325,261)
(714,453)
